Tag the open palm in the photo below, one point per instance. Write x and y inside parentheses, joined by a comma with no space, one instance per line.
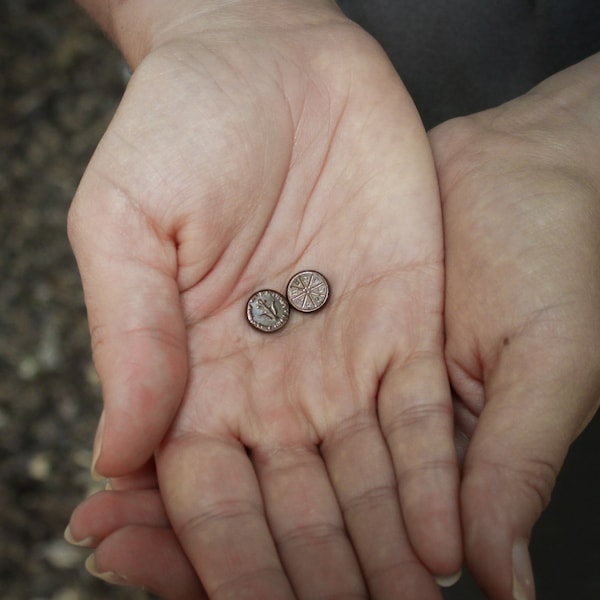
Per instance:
(317,460)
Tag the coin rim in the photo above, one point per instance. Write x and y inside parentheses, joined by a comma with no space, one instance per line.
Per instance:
(312,310)
(261,328)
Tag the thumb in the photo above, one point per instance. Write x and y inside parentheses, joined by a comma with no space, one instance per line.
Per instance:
(536,405)
(136,323)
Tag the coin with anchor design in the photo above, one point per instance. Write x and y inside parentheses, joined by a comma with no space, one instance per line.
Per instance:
(267,311)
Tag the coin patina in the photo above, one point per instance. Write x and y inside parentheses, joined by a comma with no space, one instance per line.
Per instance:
(268,311)
(308,291)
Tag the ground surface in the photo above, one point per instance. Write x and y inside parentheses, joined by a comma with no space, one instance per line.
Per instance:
(60,81)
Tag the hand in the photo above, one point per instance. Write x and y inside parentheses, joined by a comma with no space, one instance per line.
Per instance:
(134,541)
(521,202)
(133,538)
(304,460)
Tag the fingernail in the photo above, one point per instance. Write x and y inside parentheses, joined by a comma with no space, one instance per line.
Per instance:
(447,582)
(108,576)
(97,449)
(88,542)
(523,585)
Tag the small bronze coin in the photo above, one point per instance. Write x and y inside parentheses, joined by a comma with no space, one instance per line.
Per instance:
(267,311)
(308,291)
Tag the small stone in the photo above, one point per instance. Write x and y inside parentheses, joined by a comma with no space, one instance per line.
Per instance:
(62,555)
(67,594)
(39,467)
(29,368)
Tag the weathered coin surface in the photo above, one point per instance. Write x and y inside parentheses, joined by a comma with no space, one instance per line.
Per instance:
(308,291)
(268,311)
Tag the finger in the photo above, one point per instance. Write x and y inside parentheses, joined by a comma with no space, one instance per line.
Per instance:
(534,409)
(142,479)
(147,557)
(215,505)
(137,328)
(362,473)
(416,416)
(307,524)
(106,512)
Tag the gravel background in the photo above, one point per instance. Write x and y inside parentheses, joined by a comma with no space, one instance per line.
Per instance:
(59,84)
(60,81)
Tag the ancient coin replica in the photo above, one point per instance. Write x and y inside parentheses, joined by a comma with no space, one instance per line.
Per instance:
(268,311)
(308,291)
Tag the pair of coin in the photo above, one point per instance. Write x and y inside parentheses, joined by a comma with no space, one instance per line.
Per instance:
(268,310)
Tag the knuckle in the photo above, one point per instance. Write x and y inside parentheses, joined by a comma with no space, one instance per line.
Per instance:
(248,583)
(163,336)
(368,500)
(418,417)
(359,422)
(226,514)
(417,472)
(538,478)
(105,339)
(532,478)
(311,535)
(393,570)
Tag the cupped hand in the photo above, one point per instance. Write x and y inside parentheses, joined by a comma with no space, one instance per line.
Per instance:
(317,460)
(521,203)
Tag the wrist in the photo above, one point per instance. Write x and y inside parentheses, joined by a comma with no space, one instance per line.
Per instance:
(138,26)
(556,126)
(573,97)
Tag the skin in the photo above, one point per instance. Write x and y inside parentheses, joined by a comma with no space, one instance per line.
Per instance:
(521,203)
(318,461)
(521,193)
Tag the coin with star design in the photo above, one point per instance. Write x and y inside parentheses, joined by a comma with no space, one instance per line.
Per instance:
(308,291)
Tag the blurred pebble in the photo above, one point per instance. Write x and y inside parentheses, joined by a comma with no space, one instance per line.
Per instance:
(82,457)
(39,467)
(61,82)
(61,555)
(68,594)
(29,367)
